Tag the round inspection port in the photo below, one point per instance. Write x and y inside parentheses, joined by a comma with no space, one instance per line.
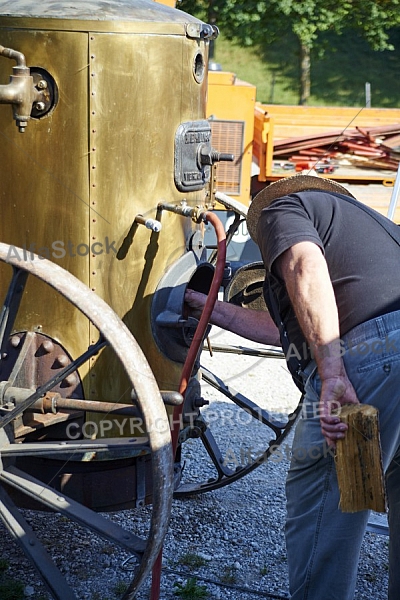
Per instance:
(199,67)
(46,86)
(172,327)
(202,278)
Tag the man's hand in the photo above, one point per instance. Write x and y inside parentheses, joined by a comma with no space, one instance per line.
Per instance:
(195,302)
(335,392)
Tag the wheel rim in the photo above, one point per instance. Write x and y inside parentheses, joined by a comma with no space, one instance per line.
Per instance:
(151,408)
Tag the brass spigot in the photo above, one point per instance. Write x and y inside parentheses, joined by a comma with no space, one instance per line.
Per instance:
(21,91)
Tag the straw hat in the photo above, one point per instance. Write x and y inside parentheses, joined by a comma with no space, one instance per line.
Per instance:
(283,187)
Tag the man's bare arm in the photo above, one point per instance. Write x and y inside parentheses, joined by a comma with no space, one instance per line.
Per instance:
(305,272)
(255,325)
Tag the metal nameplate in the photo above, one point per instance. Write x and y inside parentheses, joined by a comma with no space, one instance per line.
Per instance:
(189,172)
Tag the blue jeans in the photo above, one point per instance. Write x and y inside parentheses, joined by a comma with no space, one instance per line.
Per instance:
(323,544)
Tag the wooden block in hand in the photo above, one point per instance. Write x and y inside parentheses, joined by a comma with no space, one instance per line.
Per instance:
(359,460)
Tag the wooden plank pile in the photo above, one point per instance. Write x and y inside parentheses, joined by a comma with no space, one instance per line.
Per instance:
(365,147)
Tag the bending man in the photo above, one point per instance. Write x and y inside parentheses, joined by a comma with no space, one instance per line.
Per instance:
(332,287)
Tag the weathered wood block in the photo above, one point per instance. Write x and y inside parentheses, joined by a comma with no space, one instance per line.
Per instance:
(359,461)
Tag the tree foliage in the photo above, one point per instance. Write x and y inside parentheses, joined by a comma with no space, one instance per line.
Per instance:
(258,23)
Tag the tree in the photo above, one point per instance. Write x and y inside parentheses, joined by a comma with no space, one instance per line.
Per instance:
(252,22)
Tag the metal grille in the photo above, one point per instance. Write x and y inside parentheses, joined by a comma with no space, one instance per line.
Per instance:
(227,136)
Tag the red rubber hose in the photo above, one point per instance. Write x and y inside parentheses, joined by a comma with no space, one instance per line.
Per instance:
(190,360)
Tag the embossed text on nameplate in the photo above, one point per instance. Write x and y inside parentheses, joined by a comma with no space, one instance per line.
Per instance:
(189,172)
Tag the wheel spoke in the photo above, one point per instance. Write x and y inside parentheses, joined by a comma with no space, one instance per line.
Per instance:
(241,350)
(51,383)
(73,510)
(34,550)
(225,475)
(11,305)
(190,488)
(131,446)
(243,402)
(215,453)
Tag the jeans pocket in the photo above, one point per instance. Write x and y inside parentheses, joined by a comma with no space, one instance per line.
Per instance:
(376,353)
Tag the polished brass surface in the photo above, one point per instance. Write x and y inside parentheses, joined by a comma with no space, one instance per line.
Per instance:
(126,73)
(80,175)
(152,28)
(44,185)
(133,119)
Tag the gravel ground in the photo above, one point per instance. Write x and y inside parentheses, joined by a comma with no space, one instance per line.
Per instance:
(230,539)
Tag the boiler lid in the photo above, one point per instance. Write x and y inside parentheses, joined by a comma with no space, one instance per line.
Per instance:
(94,10)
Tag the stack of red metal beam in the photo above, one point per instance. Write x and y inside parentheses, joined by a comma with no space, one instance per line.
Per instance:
(375,147)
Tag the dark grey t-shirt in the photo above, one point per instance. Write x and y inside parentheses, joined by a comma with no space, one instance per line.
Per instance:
(363,259)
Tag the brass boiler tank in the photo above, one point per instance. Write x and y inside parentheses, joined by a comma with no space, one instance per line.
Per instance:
(101,122)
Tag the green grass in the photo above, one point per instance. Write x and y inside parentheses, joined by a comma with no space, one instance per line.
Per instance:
(264,570)
(98,596)
(270,79)
(3,565)
(192,560)
(11,590)
(120,588)
(190,590)
(228,575)
(338,77)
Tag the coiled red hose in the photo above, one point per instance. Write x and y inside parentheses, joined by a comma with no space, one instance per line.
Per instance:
(210,217)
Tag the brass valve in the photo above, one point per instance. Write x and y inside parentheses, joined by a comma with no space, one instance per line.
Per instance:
(20,91)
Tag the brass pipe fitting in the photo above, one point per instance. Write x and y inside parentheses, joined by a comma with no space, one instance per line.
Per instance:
(152,224)
(196,213)
(20,91)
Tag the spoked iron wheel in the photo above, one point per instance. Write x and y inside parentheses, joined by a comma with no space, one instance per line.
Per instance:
(19,400)
(244,409)
(245,289)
